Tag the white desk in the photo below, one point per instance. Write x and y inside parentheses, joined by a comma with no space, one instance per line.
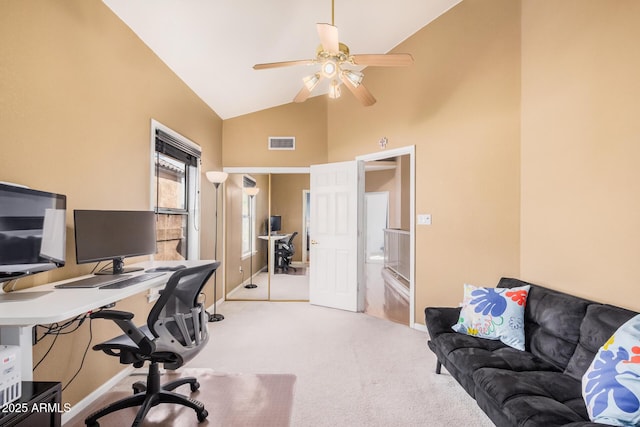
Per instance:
(272,243)
(17,318)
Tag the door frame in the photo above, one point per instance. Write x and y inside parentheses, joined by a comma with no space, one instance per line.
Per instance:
(305,254)
(397,152)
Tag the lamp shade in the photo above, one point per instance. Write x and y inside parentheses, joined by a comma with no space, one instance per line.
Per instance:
(353,77)
(251,191)
(216,177)
(311,81)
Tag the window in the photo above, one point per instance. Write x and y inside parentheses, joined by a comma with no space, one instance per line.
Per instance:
(176,166)
(248,218)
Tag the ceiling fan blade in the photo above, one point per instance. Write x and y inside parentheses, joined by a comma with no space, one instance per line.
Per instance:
(360,92)
(384,60)
(284,64)
(302,95)
(328,37)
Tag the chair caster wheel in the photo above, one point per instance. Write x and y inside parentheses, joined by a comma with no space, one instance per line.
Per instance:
(195,386)
(138,387)
(202,415)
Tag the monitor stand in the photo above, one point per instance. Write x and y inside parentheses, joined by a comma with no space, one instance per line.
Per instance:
(118,268)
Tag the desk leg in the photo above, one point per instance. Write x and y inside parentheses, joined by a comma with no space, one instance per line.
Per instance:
(20,336)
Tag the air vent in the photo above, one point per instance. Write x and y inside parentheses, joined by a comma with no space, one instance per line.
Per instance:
(282,143)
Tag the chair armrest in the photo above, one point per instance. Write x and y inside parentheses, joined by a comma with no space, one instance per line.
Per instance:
(440,319)
(112,315)
(123,320)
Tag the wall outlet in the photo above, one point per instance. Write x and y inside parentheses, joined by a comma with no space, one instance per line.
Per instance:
(240,270)
(424,219)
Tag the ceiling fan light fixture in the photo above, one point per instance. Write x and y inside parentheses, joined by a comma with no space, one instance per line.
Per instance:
(311,81)
(334,90)
(353,77)
(329,68)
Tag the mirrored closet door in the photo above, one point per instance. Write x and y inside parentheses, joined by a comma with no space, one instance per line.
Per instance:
(266,217)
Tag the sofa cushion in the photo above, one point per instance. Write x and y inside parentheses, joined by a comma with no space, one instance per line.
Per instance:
(530,398)
(611,385)
(599,323)
(552,322)
(462,355)
(494,313)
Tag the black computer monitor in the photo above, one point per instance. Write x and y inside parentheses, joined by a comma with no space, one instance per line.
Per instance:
(114,235)
(32,231)
(275,223)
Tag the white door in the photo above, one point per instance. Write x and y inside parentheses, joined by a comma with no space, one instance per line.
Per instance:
(334,267)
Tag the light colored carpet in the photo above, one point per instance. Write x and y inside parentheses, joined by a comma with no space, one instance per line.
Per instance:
(351,369)
(237,400)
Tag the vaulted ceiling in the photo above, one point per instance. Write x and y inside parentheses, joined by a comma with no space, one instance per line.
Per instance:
(212,45)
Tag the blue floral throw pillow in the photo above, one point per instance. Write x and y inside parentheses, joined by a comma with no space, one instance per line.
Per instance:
(611,385)
(494,313)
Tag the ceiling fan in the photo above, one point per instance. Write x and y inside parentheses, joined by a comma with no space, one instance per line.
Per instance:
(339,66)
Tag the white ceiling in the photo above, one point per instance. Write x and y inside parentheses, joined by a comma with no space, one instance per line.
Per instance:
(212,45)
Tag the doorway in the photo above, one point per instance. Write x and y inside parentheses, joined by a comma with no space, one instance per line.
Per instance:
(389,285)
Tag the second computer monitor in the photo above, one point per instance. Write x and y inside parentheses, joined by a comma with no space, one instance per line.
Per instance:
(275,223)
(114,235)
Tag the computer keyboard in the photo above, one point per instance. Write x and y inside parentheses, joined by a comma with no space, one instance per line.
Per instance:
(131,281)
(93,282)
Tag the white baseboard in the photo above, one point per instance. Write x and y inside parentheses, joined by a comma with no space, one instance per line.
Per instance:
(218,302)
(420,327)
(96,394)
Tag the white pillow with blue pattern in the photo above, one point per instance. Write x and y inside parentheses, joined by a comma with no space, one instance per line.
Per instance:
(611,385)
(494,313)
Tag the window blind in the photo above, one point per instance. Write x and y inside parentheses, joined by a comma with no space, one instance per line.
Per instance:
(178,149)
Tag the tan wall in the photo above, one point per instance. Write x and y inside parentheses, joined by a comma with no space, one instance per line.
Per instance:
(459,105)
(77,93)
(245,138)
(580,147)
(286,201)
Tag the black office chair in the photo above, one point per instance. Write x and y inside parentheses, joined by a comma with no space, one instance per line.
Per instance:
(284,254)
(175,332)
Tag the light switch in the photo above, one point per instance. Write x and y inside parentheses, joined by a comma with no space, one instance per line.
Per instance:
(424,219)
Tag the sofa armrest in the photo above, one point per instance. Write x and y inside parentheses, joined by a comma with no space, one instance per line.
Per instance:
(440,319)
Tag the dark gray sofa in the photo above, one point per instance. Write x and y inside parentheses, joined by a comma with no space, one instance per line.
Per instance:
(540,386)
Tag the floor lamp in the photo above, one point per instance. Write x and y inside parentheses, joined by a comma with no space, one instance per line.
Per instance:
(251,192)
(216,178)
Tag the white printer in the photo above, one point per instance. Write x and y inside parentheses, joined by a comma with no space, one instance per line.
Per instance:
(10,377)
